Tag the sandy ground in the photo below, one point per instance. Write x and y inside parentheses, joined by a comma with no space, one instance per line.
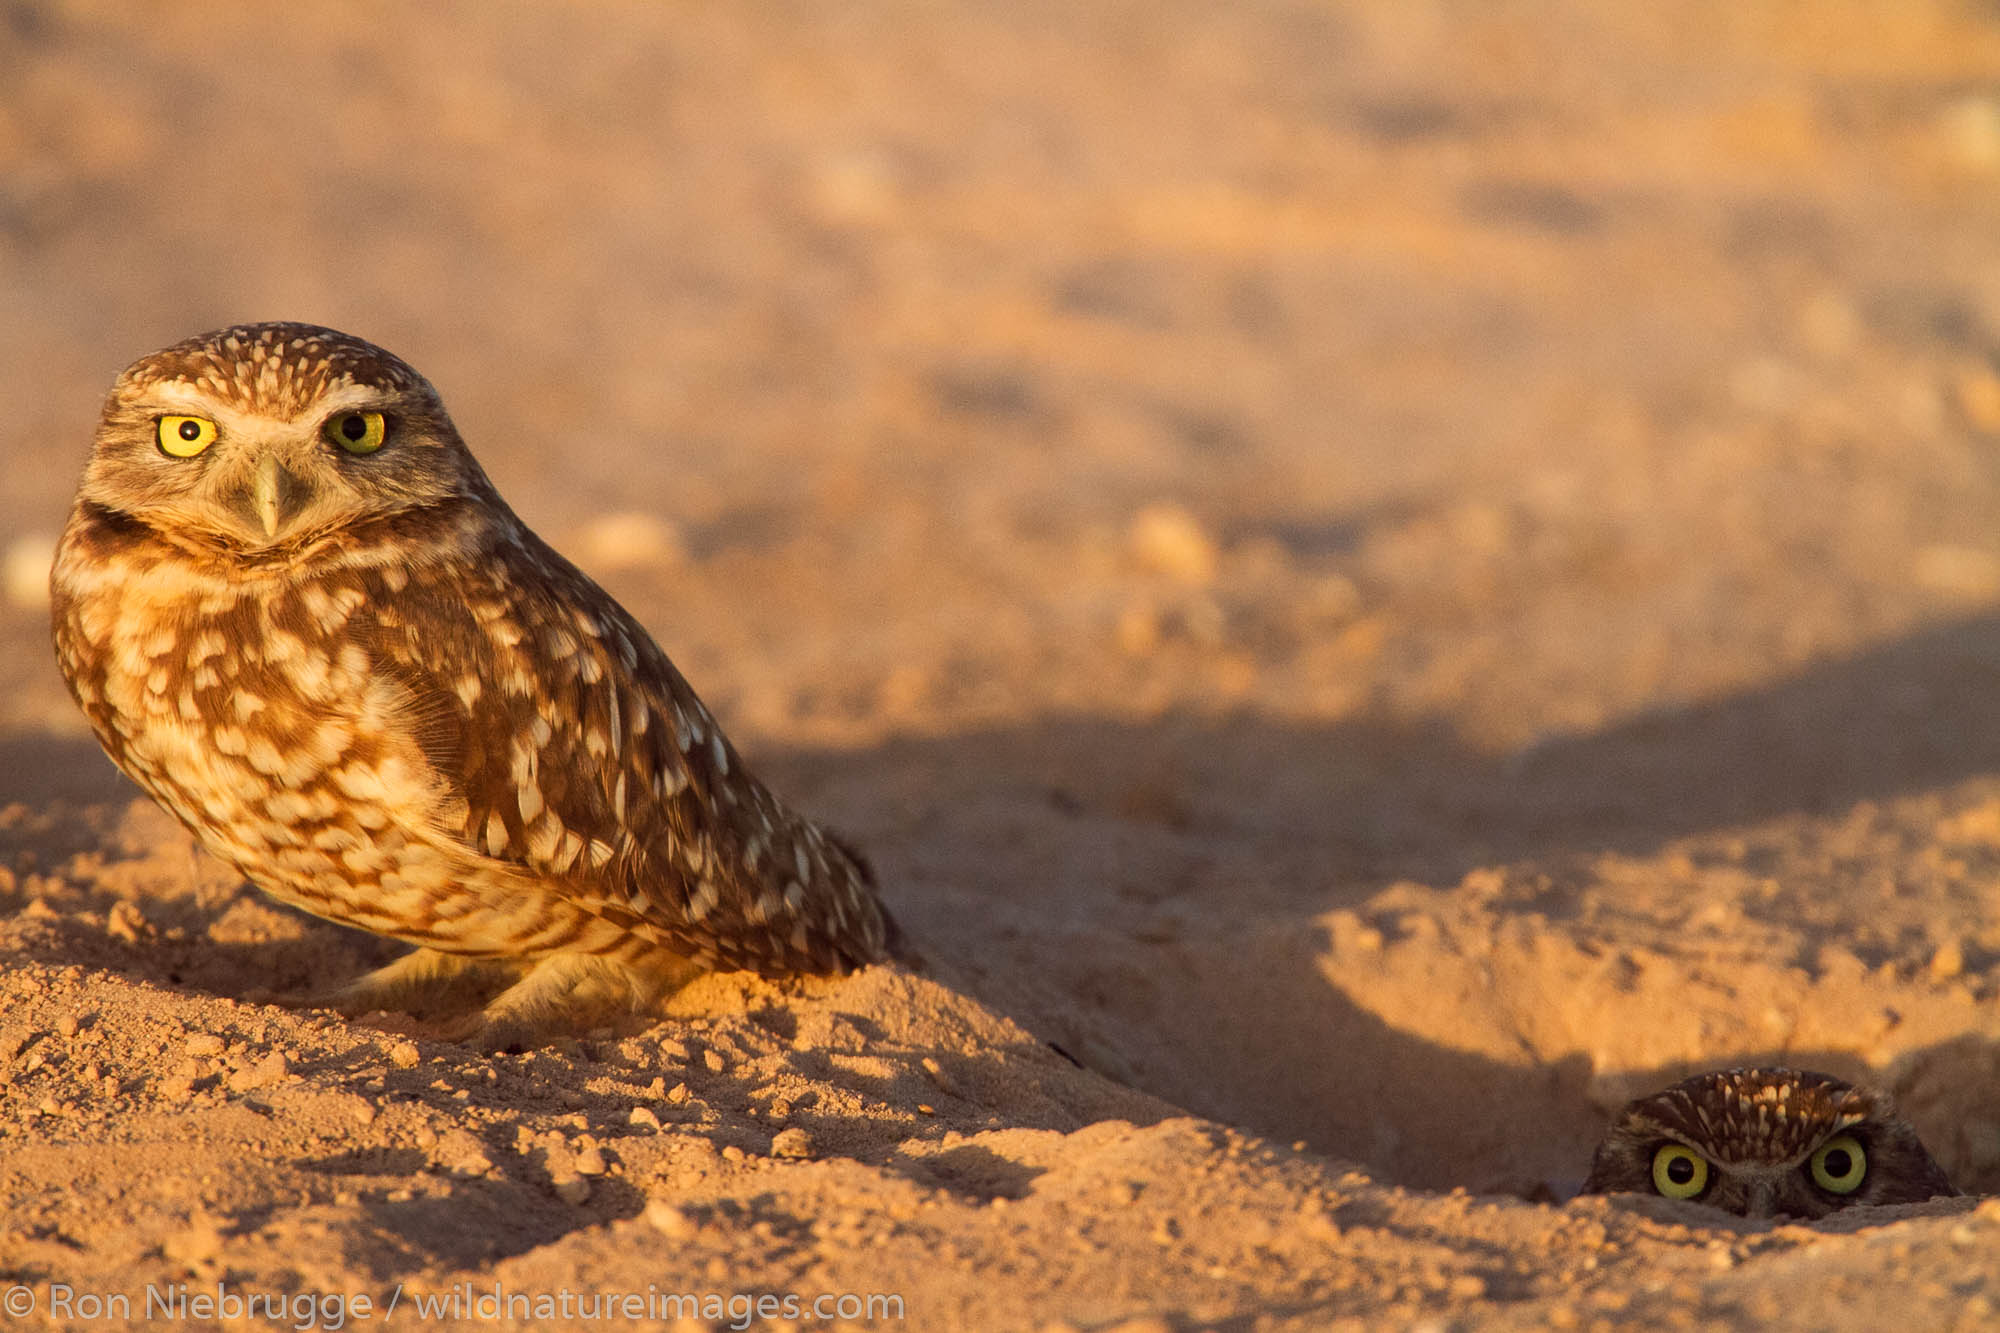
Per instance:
(1385,577)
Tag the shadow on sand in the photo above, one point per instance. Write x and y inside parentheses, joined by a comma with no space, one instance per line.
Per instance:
(1009,854)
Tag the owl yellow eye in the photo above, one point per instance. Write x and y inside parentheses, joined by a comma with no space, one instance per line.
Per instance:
(357,432)
(184,437)
(1679,1172)
(1840,1165)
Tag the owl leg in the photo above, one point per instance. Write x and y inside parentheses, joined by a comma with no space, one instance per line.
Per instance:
(567,993)
(421,979)
(559,995)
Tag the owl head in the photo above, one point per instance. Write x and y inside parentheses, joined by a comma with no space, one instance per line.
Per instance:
(266,437)
(1766,1143)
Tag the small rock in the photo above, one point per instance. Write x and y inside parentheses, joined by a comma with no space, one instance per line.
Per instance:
(669,1220)
(263,1074)
(643,1115)
(1970,130)
(678,1094)
(571,1190)
(793,1142)
(938,1076)
(590,1162)
(204,1043)
(1948,961)
(127,924)
(1167,539)
(1962,572)
(732,1153)
(66,1026)
(24,570)
(1979,399)
(1138,632)
(857,187)
(200,1243)
(713,1060)
(461,1154)
(629,540)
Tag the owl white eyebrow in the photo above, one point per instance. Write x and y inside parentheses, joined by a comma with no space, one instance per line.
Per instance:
(176,394)
(343,400)
(174,399)
(179,396)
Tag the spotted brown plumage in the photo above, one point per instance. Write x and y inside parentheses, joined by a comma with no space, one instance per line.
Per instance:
(1767,1143)
(325,643)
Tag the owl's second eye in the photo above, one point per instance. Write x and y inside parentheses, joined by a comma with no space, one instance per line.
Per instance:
(184,437)
(357,432)
(1679,1172)
(1840,1165)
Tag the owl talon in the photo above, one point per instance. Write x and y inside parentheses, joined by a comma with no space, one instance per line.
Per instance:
(559,996)
(425,979)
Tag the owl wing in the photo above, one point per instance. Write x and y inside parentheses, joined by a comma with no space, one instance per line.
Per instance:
(569,746)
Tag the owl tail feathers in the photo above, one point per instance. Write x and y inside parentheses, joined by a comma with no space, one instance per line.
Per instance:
(896,945)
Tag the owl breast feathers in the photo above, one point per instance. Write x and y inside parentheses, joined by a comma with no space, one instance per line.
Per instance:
(299,615)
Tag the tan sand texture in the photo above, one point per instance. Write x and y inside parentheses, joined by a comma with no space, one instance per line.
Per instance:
(1376,579)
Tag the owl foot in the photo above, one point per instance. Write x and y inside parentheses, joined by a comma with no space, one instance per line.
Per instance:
(560,995)
(423,980)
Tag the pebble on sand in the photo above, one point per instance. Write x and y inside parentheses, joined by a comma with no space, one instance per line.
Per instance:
(24,570)
(628,540)
(1167,539)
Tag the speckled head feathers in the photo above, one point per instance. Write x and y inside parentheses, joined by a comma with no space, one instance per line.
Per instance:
(278,369)
(1763,1139)
(1757,1115)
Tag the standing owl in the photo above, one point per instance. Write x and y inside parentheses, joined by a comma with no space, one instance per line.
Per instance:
(299,615)
(1766,1143)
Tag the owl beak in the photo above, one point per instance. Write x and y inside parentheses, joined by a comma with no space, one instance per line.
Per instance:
(275,497)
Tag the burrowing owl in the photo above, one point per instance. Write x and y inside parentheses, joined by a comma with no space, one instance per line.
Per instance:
(1766,1143)
(299,615)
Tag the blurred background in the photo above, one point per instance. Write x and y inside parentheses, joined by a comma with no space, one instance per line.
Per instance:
(1201,491)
